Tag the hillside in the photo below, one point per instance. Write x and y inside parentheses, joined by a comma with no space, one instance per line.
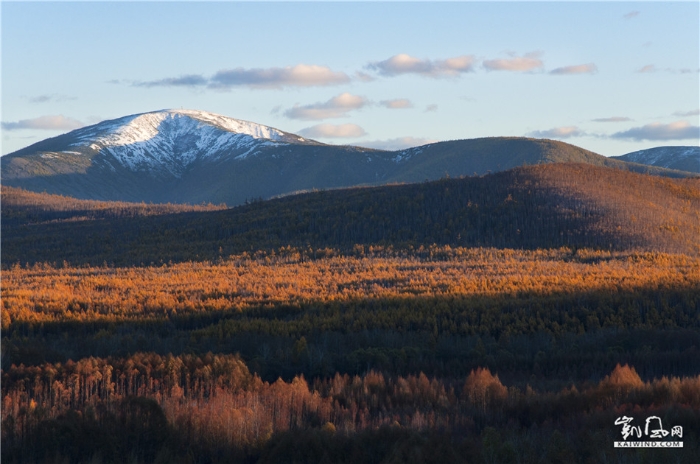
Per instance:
(494,154)
(25,207)
(573,205)
(186,156)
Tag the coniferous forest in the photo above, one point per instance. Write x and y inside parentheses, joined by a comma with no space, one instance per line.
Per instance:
(507,318)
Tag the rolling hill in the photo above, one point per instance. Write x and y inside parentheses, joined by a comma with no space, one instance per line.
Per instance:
(546,206)
(187,156)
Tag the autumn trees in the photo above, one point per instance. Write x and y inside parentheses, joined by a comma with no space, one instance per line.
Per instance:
(292,278)
(436,322)
(177,406)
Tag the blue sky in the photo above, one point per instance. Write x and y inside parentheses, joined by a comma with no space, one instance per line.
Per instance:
(612,77)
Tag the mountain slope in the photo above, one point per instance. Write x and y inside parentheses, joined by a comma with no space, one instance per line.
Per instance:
(681,158)
(187,156)
(546,206)
(493,154)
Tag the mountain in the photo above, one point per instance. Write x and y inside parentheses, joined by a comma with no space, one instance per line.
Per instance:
(534,207)
(138,157)
(680,158)
(187,156)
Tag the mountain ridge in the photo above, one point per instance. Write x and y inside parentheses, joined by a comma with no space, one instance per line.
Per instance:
(189,156)
(165,141)
(685,158)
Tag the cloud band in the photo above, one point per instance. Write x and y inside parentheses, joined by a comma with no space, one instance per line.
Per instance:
(406,64)
(679,130)
(57,122)
(301,75)
(336,107)
(333,131)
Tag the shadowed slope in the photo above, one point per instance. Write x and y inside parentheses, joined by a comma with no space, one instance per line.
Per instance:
(533,207)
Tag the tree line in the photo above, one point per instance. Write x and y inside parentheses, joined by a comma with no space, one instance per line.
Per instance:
(211,408)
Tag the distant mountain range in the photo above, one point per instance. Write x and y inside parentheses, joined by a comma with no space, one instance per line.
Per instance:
(680,158)
(187,156)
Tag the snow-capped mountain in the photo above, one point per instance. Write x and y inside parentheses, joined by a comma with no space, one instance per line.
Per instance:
(167,142)
(187,156)
(681,158)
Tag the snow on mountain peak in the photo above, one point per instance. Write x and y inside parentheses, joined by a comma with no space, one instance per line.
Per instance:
(233,125)
(170,140)
(141,127)
(684,158)
(653,155)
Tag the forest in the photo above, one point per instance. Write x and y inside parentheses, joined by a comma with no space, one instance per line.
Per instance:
(535,207)
(508,318)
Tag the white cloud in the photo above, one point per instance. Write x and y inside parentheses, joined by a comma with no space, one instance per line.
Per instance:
(558,133)
(363,77)
(406,64)
(687,113)
(398,143)
(40,99)
(679,130)
(47,98)
(588,68)
(188,80)
(397,104)
(58,122)
(333,131)
(301,75)
(336,107)
(612,119)
(650,68)
(647,69)
(528,62)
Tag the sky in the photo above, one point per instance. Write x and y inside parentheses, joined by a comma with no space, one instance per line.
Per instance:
(611,77)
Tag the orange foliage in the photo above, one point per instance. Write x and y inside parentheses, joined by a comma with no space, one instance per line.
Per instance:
(44,293)
(215,399)
(621,381)
(91,209)
(484,389)
(625,377)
